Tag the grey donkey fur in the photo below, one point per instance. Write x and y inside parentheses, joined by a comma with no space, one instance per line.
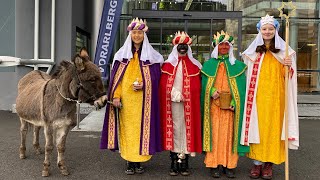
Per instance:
(40,103)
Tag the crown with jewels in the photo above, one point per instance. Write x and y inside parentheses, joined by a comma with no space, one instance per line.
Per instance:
(222,37)
(138,24)
(181,38)
(268,20)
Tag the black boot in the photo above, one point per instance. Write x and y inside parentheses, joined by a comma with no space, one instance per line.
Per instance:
(230,173)
(130,168)
(215,172)
(174,170)
(138,168)
(184,166)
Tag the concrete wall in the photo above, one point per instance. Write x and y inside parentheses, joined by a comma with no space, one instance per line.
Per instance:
(20,37)
(7,43)
(63,30)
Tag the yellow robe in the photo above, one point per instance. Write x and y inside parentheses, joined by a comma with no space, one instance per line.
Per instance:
(222,132)
(270,107)
(131,112)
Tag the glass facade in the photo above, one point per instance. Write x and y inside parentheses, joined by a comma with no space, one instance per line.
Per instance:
(7,28)
(82,40)
(304,28)
(7,31)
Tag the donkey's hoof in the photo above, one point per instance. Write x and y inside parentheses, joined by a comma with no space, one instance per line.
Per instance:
(22,156)
(45,173)
(22,152)
(64,172)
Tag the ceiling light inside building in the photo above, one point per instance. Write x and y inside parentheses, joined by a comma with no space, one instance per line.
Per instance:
(311,44)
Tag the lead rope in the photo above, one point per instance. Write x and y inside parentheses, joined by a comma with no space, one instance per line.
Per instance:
(66,98)
(78,102)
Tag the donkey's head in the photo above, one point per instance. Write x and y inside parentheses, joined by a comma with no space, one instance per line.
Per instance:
(86,84)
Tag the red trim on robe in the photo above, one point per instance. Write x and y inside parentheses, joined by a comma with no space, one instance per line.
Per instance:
(291,72)
(191,93)
(250,97)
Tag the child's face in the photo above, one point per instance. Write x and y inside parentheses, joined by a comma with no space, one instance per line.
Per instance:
(137,36)
(223,48)
(268,31)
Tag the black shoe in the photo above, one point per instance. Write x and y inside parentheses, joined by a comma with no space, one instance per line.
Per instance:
(184,166)
(130,168)
(185,172)
(173,172)
(230,173)
(174,169)
(215,172)
(138,168)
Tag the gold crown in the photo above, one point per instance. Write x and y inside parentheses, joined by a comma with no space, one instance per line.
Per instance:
(181,38)
(138,24)
(222,37)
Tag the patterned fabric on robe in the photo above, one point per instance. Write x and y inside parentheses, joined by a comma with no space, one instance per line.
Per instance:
(130,124)
(179,125)
(236,81)
(222,127)
(270,107)
(190,91)
(136,133)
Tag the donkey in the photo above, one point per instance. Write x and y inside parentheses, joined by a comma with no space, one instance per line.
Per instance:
(50,102)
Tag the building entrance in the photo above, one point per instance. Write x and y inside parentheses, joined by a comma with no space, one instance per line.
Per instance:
(200,26)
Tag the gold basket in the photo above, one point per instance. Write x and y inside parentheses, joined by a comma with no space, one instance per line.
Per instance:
(224,100)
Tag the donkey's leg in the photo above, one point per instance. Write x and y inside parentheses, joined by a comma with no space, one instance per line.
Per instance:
(48,131)
(61,137)
(23,134)
(36,145)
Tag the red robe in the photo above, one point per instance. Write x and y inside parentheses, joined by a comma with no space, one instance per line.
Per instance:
(191,93)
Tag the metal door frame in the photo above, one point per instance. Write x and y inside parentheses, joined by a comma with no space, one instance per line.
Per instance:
(193,15)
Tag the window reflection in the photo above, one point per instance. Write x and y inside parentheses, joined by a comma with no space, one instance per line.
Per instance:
(304,29)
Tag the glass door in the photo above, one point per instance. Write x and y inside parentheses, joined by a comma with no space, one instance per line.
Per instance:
(199,31)
(169,28)
(200,26)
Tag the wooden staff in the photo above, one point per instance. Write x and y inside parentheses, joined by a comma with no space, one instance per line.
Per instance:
(286,83)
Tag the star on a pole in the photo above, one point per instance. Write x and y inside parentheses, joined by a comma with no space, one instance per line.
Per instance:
(291,9)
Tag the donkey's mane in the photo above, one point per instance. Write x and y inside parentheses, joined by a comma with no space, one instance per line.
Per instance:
(61,68)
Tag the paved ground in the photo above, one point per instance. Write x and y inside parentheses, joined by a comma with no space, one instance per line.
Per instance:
(86,161)
(309,106)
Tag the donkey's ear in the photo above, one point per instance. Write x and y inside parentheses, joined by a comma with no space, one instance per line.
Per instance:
(86,58)
(79,62)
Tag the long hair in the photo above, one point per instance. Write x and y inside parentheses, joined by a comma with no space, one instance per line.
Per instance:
(133,49)
(272,48)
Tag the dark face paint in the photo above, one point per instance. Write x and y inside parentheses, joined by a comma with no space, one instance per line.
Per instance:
(182,48)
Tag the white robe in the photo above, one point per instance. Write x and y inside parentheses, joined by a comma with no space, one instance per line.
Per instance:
(179,125)
(293,121)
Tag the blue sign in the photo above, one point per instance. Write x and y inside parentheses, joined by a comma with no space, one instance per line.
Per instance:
(108,28)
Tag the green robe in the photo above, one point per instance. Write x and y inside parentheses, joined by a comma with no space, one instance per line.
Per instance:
(237,83)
